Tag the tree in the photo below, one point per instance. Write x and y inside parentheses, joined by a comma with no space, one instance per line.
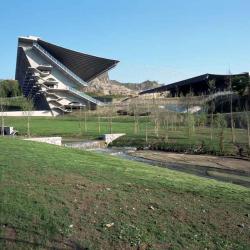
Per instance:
(156,118)
(2,109)
(99,123)
(201,119)
(27,107)
(111,119)
(189,117)
(241,85)
(147,122)
(10,88)
(99,119)
(85,119)
(80,117)
(231,107)
(190,121)
(212,88)
(221,123)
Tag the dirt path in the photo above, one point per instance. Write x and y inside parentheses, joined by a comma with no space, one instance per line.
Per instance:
(227,169)
(197,160)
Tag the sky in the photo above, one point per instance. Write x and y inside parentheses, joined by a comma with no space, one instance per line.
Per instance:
(158,40)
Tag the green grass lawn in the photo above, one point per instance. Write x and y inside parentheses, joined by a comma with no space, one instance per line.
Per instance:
(65,198)
(178,138)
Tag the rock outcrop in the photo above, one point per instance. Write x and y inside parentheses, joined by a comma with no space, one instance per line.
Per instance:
(102,85)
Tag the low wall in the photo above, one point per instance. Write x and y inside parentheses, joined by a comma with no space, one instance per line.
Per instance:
(108,138)
(25,113)
(86,144)
(50,140)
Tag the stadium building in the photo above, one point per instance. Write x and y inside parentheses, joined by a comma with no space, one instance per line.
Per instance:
(55,77)
(198,85)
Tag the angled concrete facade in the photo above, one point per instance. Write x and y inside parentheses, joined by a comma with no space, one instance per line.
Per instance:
(55,77)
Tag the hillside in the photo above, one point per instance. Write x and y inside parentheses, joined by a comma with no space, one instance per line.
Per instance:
(61,198)
(138,86)
(102,85)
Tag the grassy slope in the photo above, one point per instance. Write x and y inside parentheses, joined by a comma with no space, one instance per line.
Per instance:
(70,127)
(54,196)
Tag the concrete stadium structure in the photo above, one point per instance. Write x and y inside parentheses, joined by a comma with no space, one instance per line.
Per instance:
(198,85)
(207,91)
(54,77)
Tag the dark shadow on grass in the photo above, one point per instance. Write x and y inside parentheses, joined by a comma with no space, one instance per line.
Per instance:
(69,244)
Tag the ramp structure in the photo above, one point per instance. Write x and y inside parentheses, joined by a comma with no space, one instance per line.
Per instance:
(55,77)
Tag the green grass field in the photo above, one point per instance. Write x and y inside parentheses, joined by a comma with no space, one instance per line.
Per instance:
(61,198)
(178,138)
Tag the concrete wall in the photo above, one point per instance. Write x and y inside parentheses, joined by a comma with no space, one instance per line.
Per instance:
(49,140)
(46,113)
(86,145)
(108,138)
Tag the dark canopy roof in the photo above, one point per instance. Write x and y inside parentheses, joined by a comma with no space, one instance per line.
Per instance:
(85,66)
(197,84)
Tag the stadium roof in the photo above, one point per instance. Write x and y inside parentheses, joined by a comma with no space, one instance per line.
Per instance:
(199,81)
(87,67)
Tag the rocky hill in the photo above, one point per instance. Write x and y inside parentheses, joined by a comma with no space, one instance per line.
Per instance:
(138,86)
(102,85)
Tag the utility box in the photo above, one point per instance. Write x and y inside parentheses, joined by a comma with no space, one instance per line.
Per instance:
(8,131)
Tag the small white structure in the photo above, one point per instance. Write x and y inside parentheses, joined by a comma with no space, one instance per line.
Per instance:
(193,109)
(108,138)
